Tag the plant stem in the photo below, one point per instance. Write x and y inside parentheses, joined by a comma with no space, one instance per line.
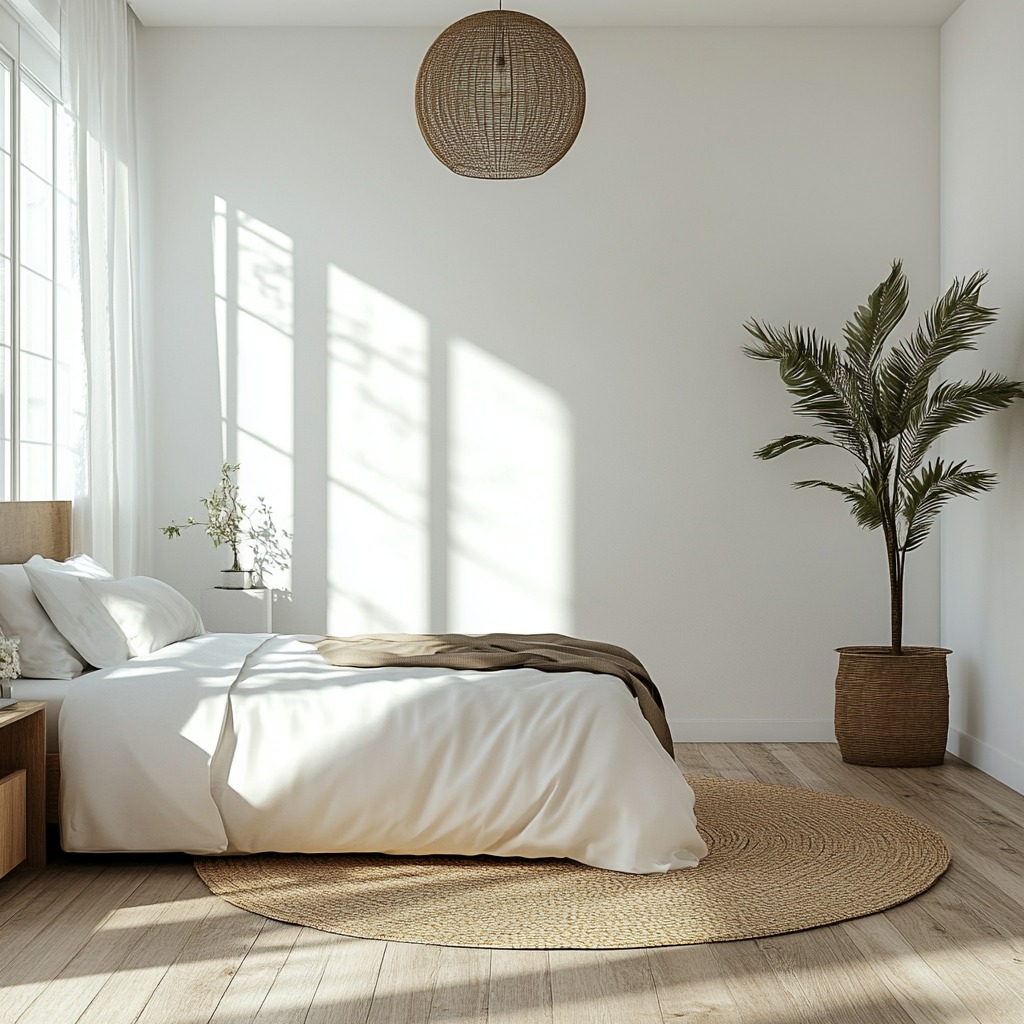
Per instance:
(895,585)
(896,557)
(896,613)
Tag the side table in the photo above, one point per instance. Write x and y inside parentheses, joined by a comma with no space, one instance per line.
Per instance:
(237,611)
(23,749)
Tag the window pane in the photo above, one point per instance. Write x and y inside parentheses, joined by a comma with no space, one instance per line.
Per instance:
(36,472)
(6,367)
(67,155)
(5,301)
(6,204)
(36,132)
(36,224)
(36,380)
(5,109)
(69,425)
(65,213)
(28,430)
(5,423)
(36,314)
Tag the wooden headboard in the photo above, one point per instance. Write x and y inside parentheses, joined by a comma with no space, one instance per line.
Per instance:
(30,528)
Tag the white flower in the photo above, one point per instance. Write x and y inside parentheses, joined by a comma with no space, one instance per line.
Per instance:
(10,663)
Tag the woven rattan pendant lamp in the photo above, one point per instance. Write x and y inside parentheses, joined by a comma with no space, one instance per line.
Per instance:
(500,94)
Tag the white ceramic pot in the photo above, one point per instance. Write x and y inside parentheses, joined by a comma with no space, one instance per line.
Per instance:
(236,579)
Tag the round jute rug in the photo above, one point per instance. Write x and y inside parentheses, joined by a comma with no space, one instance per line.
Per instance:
(780,860)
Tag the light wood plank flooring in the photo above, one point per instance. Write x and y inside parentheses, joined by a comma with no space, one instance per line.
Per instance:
(124,939)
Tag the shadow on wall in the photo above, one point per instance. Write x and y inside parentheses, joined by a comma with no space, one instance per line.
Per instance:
(449,472)
(254,288)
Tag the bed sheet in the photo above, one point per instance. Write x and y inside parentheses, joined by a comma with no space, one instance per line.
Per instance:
(53,691)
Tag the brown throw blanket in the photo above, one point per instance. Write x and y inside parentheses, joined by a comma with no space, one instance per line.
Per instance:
(549,652)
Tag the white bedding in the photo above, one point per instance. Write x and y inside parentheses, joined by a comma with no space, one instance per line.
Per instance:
(53,691)
(244,743)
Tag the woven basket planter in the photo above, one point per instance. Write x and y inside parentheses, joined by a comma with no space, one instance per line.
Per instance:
(892,711)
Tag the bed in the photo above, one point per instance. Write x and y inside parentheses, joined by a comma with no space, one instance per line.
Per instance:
(243,743)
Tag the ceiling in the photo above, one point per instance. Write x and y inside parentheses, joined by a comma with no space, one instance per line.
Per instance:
(561,13)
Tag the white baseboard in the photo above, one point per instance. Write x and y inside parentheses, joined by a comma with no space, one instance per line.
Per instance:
(752,730)
(991,761)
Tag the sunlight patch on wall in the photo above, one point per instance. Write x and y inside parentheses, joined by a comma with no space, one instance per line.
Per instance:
(220,307)
(378,545)
(254,278)
(510,498)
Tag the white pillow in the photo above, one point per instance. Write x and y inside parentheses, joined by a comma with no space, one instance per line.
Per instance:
(76,565)
(149,613)
(74,611)
(44,653)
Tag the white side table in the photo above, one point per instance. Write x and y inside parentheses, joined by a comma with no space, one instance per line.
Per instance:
(237,611)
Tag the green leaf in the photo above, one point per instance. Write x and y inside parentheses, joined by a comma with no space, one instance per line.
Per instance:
(872,324)
(952,324)
(927,491)
(866,507)
(953,404)
(789,443)
(813,372)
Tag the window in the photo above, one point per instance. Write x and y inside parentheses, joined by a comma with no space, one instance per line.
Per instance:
(35,375)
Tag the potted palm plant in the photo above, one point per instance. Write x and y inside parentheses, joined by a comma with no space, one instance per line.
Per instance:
(877,403)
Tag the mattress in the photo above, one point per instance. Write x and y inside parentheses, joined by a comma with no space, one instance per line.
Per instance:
(53,691)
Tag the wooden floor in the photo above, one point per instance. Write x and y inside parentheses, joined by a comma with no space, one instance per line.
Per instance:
(124,939)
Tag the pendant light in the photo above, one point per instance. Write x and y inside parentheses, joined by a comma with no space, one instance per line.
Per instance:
(500,94)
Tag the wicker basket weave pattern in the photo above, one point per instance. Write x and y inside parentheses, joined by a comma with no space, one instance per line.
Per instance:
(892,711)
(500,94)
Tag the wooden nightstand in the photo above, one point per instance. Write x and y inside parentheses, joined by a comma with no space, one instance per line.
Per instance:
(23,748)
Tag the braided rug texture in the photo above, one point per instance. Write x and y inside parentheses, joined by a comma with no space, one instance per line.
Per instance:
(781,860)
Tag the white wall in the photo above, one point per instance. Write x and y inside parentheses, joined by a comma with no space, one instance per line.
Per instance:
(430,323)
(983,227)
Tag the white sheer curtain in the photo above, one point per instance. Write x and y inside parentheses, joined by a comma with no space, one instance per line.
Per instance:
(98,54)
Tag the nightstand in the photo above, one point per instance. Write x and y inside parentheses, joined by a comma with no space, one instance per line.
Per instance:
(237,611)
(23,785)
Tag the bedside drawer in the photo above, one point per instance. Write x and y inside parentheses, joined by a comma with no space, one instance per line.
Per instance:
(12,820)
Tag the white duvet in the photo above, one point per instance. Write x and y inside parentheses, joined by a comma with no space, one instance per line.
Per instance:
(240,743)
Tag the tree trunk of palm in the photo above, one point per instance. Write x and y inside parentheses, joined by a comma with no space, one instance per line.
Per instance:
(895,594)
(896,616)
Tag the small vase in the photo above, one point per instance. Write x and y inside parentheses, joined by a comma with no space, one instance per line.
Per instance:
(236,579)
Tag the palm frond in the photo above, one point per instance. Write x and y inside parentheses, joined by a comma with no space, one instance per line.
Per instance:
(866,506)
(781,445)
(814,373)
(772,344)
(928,490)
(952,324)
(873,322)
(953,404)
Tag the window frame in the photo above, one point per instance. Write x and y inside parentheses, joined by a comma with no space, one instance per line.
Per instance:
(11,483)
(12,406)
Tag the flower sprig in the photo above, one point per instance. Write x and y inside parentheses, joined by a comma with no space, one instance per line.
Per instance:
(230,522)
(10,663)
